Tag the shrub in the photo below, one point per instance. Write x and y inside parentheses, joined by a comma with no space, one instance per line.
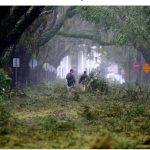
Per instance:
(65,125)
(6,121)
(76,95)
(4,116)
(4,84)
(130,92)
(102,142)
(97,84)
(88,113)
(58,124)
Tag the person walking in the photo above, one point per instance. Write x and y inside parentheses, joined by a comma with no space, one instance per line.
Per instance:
(82,80)
(70,81)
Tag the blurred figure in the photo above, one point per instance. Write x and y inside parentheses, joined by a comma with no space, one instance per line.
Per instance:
(70,81)
(82,80)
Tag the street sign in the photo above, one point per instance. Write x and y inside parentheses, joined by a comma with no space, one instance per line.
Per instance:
(16,62)
(32,63)
(136,66)
(146,68)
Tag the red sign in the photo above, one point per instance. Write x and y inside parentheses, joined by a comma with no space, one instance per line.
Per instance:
(136,66)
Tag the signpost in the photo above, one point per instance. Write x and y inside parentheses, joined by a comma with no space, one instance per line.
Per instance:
(16,64)
(136,66)
(146,68)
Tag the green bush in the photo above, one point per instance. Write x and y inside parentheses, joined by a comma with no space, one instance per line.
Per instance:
(58,124)
(97,84)
(129,91)
(7,121)
(4,84)
(88,113)
(4,116)
(76,95)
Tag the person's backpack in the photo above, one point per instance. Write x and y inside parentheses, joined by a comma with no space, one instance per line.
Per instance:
(70,79)
(69,76)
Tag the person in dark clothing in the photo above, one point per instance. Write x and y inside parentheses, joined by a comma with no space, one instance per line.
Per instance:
(82,80)
(70,80)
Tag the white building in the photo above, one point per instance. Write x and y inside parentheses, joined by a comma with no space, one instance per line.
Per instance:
(83,62)
(113,74)
(64,67)
(88,62)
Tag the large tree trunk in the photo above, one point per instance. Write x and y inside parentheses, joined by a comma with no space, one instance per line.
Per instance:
(13,16)
(16,30)
(50,33)
(23,70)
(145,52)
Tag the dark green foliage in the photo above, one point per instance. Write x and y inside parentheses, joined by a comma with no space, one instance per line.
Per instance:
(7,121)
(102,15)
(4,116)
(130,25)
(97,84)
(4,80)
(131,92)
(4,84)
(76,95)
(87,113)
(45,120)
(90,114)
(58,124)
(102,142)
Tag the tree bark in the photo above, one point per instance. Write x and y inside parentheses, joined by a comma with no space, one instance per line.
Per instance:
(25,21)
(11,19)
(49,34)
(86,36)
(145,52)
(4,11)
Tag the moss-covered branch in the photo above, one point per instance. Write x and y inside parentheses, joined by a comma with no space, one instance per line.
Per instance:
(85,36)
(49,34)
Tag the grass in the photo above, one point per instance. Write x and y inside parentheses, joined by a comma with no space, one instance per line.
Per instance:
(46,118)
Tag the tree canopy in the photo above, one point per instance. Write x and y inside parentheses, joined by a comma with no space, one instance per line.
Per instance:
(130,25)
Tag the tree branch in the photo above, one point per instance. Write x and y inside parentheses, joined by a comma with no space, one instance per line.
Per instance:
(46,36)
(25,21)
(10,20)
(85,36)
(4,11)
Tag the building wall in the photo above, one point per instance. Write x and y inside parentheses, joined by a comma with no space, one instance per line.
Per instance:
(64,67)
(79,63)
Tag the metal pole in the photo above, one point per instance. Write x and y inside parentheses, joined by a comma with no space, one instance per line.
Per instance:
(32,78)
(136,77)
(16,78)
(46,75)
(46,72)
